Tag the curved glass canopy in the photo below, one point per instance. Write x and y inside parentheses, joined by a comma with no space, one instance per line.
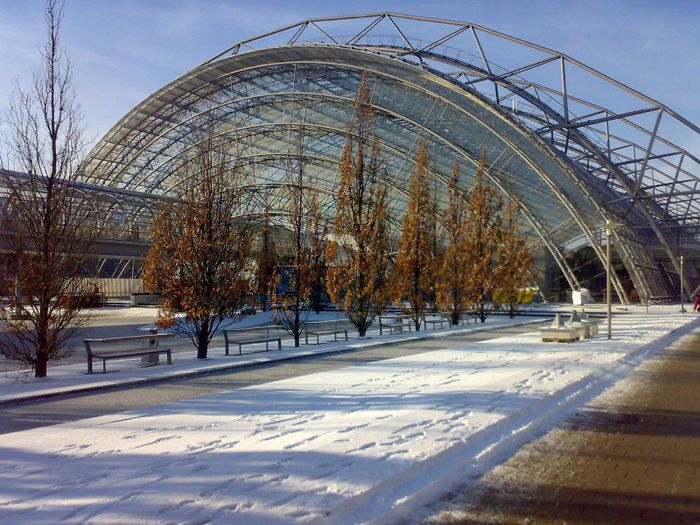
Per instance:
(283,100)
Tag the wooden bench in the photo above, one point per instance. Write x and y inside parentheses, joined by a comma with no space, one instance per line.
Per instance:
(331,330)
(149,345)
(238,336)
(394,323)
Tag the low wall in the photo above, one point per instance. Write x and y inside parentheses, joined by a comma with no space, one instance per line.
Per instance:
(118,288)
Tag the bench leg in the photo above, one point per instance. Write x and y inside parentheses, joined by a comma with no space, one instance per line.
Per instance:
(89,363)
(318,340)
(104,366)
(240,349)
(226,348)
(279,344)
(170,359)
(346,335)
(267,346)
(306,337)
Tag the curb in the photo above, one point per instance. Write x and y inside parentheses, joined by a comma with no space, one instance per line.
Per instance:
(194,373)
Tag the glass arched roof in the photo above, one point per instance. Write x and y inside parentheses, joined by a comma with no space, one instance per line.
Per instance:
(282,101)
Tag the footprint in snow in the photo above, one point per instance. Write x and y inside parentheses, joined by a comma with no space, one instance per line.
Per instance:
(202,445)
(282,434)
(350,429)
(390,455)
(300,443)
(366,446)
(176,506)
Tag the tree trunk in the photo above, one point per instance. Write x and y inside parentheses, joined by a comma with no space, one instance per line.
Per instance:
(202,344)
(297,322)
(40,366)
(362,328)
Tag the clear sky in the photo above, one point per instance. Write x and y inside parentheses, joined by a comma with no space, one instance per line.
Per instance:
(123,50)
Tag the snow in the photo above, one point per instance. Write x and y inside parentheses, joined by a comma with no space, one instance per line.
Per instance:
(367,443)
(17,385)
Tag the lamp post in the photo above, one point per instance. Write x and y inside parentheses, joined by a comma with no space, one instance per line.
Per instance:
(683,310)
(608,294)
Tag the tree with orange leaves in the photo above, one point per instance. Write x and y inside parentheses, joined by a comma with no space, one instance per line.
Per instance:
(453,281)
(482,233)
(198,260)
(358,258)
(514,261)
(414,267)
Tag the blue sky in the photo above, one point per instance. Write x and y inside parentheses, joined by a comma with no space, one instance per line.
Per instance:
(123,50)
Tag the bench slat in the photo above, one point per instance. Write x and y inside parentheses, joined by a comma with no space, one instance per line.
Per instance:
(319,333)
(129,353)
(124,353)
(252,341)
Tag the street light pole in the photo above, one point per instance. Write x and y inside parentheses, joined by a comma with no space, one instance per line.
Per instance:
(608,294)
(683,310)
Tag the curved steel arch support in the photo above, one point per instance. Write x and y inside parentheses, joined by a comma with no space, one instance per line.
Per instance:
(570,146)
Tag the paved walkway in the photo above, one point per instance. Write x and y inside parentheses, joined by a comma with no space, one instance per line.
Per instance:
(631,456)
(27,415)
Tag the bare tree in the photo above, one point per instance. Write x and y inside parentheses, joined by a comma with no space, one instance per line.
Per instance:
(317,239)
(48,221)
(198,260)
(292,301)
(266,261)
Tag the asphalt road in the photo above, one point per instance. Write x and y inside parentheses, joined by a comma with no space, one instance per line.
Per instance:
(34,414)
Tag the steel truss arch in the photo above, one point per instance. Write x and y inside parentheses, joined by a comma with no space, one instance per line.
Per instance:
(553,140)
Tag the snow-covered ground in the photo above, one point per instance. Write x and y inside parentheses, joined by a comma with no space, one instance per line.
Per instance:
(353,445)
(19,385)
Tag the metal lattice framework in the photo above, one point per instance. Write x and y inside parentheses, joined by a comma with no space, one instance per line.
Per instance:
(283,98)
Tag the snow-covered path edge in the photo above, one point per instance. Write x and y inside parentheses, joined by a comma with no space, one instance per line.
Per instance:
(403,498)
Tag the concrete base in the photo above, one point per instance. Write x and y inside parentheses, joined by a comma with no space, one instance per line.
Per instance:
(559,335)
